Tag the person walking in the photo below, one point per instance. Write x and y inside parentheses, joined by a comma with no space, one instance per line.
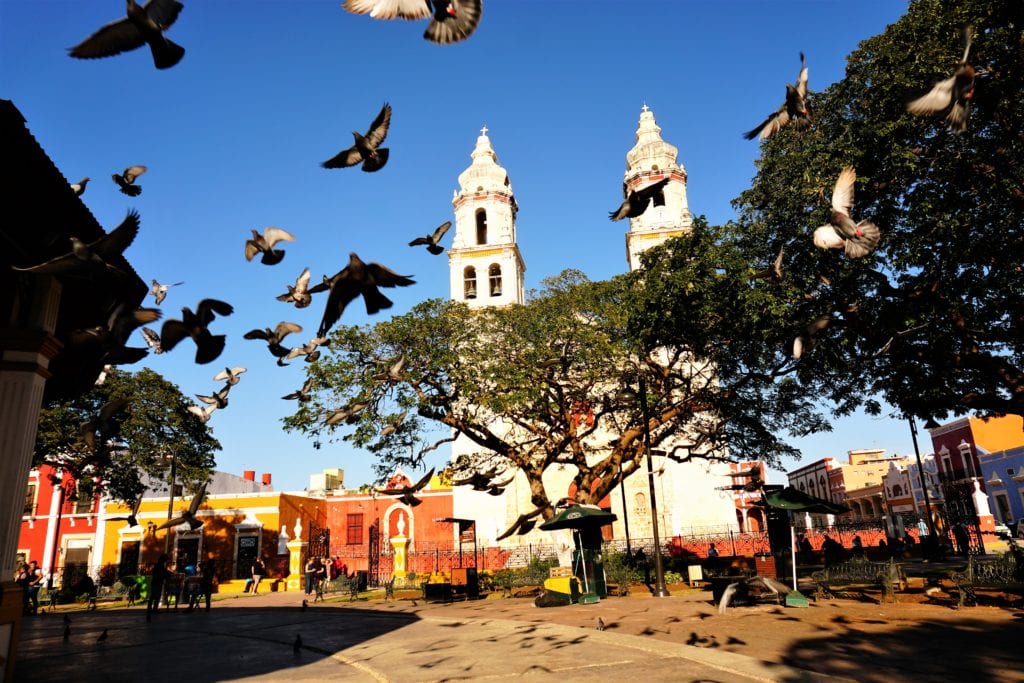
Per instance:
(208,572)
(259,570)
(35,583)
(310,573)
(157,581)
(22,579)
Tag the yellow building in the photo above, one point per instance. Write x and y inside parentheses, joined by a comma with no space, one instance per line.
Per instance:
(236,528)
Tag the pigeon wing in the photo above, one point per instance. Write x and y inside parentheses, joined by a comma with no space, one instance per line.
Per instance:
(172,332)
(937,99)
(446,28)
(842,194)
(385,277)
(113,39)
(197,499)
(379,128)
(163,12)
(440,231)
(343,291)
(344,159)
(801,79)
(389,9)
(274,235)
(207,307)
(118,239)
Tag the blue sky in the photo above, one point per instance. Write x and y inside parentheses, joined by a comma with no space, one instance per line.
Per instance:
(233,137)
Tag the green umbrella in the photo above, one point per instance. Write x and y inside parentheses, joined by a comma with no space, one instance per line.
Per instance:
(579,517)
(790,498)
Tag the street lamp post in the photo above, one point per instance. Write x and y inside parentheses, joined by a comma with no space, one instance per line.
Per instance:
(931,550)
(660,591)
(170,508)
(625,514)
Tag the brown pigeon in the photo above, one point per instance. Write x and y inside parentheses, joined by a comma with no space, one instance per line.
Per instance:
(858,239)
(143,25)
(208,346)
(637,201)
(355,279)
(264,244)
(366,148)
(793,110)
(125,181)
(450,20)
(954,93)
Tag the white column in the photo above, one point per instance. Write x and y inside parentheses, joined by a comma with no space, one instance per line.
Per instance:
(51,523)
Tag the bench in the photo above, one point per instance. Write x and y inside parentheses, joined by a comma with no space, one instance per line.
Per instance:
(1006,572)
(859,572)
(339,585)
(114,593)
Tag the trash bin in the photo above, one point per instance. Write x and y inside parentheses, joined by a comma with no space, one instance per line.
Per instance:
(362,579)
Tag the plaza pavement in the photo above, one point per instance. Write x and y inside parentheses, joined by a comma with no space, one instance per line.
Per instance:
(252,638)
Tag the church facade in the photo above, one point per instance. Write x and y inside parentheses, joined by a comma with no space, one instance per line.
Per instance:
(487,269)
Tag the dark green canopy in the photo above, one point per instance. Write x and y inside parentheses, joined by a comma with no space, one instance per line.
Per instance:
(790,498)
(579,517)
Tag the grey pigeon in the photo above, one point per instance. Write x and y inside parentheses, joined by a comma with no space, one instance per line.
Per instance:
(393,373)
(406,493)
(152,340)
(230,375)
(133,517)
(274,337)
(108,340)
(954,93)
(600,624)
(143,25)
(203,414)
(366,148)
(88,260)
(637,201)
(773,273)
(188,516)
(304,394)
(346,413)
(103,423)
(806,340)
(355,279)
(793,110)
(159,291)
(79,187)
(264,244)
(194,325)
(219,399)
(299,293)
(311,350)
(432,239)
(858,239)
(126,181)
(451,21)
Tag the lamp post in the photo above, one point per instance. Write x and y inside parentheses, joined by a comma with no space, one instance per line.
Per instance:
(920,473)
(625,514)
(660,591)
(170,508)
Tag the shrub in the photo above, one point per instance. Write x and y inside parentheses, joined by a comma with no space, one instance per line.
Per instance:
(107,575)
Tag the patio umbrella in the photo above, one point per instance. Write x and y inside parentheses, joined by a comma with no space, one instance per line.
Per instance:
(577,517)
(790,498)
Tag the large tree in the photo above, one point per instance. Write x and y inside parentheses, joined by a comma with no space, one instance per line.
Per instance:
(540,385)
(933,320)
(146,422)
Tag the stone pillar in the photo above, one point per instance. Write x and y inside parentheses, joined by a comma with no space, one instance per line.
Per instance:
(986,522)
(400,544)
(296,553)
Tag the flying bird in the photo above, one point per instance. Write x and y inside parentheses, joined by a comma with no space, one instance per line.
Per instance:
(302,395)
(143,25)
(298,294)
(218,399)
(188,516)
(806,340)
(523,524)
(395,424)
(264,244)
(764,584)
(432,239)
(346,414)
(637,201)
(451,21)
(79,187)
(858,239)
(772,273)
(107,341)
(366,148)
(355,279)
(103,422)
(793,110)
(133,517)
(203,414)
(310,350)
(393,373)
(208,346)
(159,291)
(274,337)
(406,493)
(126,181)
(152,340)
(954,93)
(88,260)
(230,375)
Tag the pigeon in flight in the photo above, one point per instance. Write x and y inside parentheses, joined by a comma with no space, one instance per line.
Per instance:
(954,93)
(133,517)
(230,375)
(208,346)
(637,201)
(304,394)
(357,278)
(310,350)
(274,337)
(202,413)
(87,260)
(103,422)
(143,25)
(126,181)
(218,399)
(432,240)
(406,493)
(299,294)
(451,21)
(806,340)
(159,291)
(366,148)
(188,516)
(393,373)
(793,110)
(79,187)
(264,244)
(772,273)
(152,340)
(523,524)
(858,239)
(346,414)
(109,339)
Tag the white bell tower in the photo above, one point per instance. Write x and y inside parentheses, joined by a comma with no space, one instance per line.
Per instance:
(650,160)
(485,265)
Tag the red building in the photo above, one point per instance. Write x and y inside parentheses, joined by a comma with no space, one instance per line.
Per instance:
(58,525)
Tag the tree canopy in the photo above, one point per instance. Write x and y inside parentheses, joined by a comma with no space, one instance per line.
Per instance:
(933,320)
(148,421)
(541,384)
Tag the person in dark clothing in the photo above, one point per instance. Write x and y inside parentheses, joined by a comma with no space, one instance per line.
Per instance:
(806,550)
(833,551)
(207,573)
(157,581)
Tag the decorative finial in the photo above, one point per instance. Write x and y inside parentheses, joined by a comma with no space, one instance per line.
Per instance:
(483,131)
(645,108)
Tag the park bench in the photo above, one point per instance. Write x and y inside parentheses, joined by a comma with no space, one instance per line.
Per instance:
(340,585)
(1005,573)
(114,593)
(859,573)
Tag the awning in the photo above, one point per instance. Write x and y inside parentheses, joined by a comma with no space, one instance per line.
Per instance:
(579,517)
(790,498)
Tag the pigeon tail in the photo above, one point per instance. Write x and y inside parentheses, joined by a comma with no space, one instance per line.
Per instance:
(377,161)
(375,302)
(272,257)
(166,53)
(957,117)
(434,249)
(864,242)
(209,348)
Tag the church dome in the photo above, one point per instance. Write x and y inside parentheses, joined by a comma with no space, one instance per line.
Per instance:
(650,153)
(484,174)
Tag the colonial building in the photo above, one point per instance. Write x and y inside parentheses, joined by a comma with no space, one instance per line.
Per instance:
(486,269)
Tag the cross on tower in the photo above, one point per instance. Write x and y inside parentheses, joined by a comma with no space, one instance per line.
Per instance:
(483,131)
(645,108)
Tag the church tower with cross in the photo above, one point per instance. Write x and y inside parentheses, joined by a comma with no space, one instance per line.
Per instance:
(652,159)
(485,266)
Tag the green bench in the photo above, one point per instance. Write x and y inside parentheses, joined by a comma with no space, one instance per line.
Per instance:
(1006,573)
(860,573)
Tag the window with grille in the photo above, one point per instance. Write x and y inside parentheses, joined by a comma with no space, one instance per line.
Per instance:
(354,529)
(30,500)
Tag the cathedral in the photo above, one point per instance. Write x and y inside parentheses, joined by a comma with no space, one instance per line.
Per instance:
(486,269)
